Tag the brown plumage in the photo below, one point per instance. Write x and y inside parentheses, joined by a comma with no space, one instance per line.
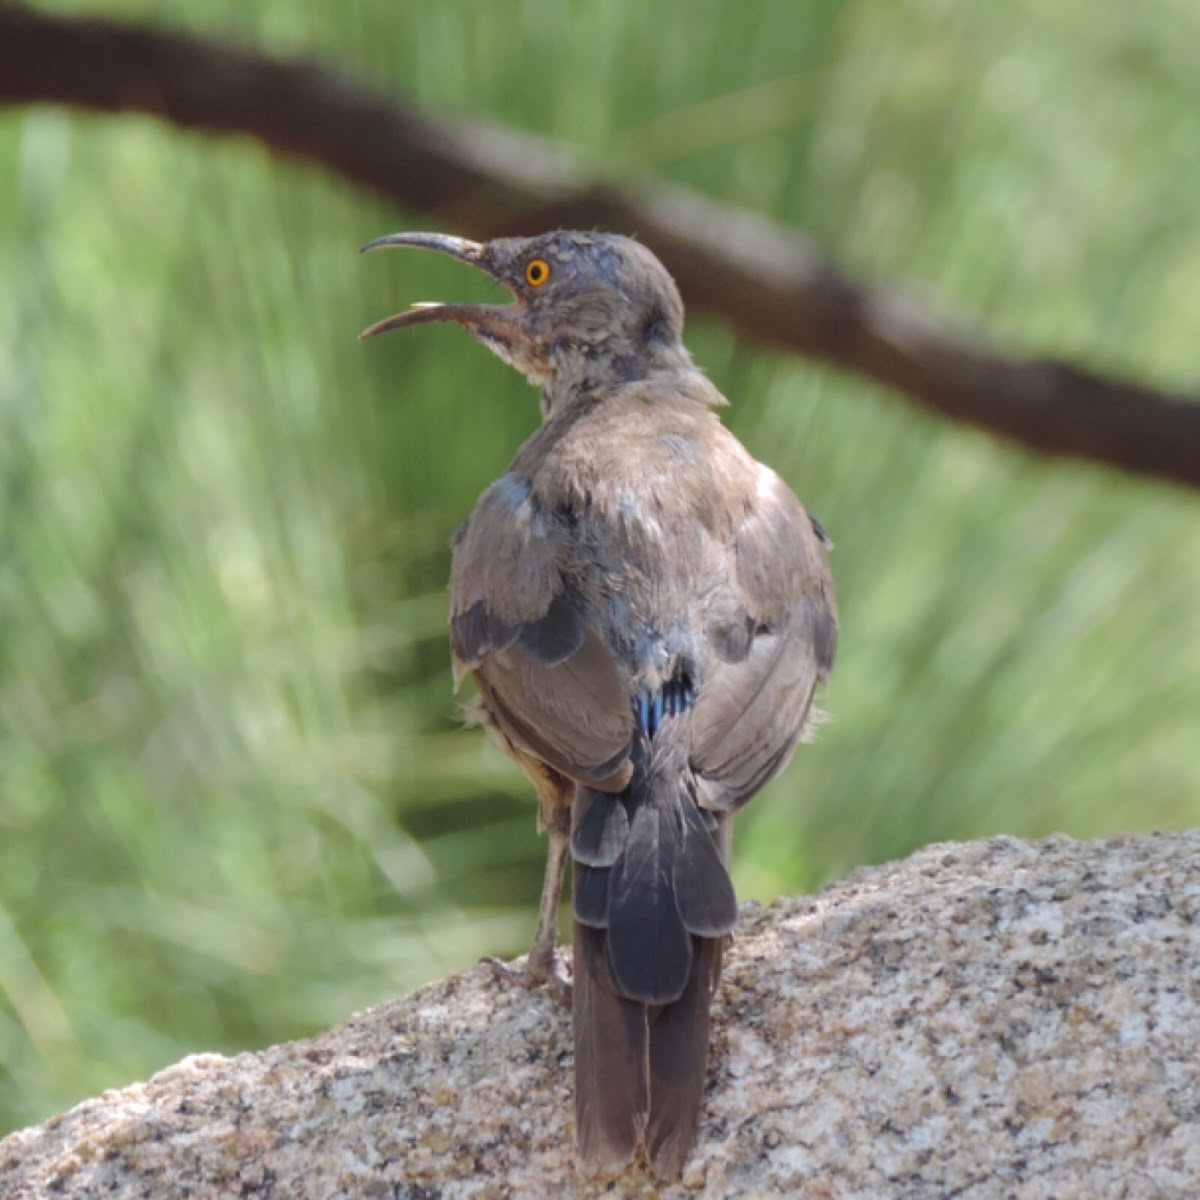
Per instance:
(646,611)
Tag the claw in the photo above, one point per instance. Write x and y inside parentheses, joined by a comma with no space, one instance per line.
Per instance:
(550,976)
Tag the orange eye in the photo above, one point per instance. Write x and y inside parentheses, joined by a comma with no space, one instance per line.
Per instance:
(537,271)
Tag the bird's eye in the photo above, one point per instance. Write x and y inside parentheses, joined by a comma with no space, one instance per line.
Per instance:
(537,271)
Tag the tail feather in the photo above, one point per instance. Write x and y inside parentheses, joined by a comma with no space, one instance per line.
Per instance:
(612,1067)
(599,829)
(589,895)
(703,889)
(649,936)
(649,947)
(679,1064)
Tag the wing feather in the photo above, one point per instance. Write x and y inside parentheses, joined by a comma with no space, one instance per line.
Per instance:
(544,674)
(755,701)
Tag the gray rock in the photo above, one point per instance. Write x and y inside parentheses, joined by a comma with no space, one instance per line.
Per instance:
(998,1019)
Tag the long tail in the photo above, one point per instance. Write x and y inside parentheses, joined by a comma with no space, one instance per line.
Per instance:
(653,904)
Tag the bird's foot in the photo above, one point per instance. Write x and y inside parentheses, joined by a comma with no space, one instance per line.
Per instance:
(539,972)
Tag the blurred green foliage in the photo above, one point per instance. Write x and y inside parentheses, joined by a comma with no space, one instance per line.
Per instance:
(236,803)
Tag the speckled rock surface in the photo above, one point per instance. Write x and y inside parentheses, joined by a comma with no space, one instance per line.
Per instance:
(996,1019)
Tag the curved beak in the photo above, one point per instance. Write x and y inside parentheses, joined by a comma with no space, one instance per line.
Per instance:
(443,243)
(482,319)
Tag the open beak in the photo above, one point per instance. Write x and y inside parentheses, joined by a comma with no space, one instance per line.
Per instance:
(489,321)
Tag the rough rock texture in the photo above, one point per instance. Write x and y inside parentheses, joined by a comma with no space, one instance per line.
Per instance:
(996,1019)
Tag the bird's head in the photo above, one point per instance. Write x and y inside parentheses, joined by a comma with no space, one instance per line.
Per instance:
(587,308)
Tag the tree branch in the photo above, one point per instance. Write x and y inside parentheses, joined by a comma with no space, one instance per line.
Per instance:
(769,283)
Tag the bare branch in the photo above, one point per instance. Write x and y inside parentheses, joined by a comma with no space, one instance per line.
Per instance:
(769,283)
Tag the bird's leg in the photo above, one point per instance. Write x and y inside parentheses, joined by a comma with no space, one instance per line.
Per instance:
(543,960)
(543,966)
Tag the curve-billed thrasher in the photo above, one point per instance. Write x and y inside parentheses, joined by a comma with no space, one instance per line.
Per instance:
(646,611)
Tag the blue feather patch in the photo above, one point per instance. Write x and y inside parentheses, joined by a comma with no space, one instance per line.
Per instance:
(673,699)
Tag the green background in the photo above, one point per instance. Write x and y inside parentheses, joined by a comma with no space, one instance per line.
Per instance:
(235,800)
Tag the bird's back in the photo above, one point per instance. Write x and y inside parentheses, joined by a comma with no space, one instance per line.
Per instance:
(651,490)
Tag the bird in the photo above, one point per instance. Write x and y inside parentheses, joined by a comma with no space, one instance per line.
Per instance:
(646,611)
